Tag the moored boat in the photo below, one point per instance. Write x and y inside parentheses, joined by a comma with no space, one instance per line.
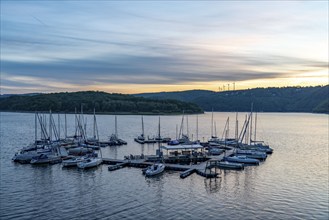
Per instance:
(242,159)
(155,169)
(230,165)
(90,162)
(44,159)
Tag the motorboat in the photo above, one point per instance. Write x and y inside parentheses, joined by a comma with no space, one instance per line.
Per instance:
(140,139)
(242,159)
(252,154)
(44,158)
(230,165)
(90,162)
(73,161)
(155,169)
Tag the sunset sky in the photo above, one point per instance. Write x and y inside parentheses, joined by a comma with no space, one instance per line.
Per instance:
(152,46)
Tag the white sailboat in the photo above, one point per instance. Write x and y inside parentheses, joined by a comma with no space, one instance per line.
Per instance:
(90,162)
(158,167)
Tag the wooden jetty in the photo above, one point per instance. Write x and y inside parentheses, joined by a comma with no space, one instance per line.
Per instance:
(204,168)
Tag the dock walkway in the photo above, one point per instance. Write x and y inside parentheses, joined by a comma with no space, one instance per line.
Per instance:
(203,168)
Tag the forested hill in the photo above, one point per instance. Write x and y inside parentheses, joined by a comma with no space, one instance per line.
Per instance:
(287,99)
(101,101)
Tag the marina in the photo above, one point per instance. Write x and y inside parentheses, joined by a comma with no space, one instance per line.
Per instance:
(186,156)
(119,180)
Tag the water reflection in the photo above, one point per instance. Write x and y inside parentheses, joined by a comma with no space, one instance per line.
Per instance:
(212,185)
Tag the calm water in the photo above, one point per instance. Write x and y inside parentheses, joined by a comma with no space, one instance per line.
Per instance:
(291,184)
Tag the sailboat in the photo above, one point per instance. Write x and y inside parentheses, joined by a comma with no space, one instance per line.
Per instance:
(141,139)
(157,167)
(114,139)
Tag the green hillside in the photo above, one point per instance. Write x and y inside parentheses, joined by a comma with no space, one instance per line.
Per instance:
(101,101)
(287,99)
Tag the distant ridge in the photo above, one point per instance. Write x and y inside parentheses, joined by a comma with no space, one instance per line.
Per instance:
(286,99)
(111,103)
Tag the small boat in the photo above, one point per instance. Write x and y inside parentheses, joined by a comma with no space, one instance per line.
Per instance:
(230,165)
(140,139)
(73,161)
(252,154)
(215,151)
(155,169)
(80,150)
(242,159)
(90,162)
(44,158)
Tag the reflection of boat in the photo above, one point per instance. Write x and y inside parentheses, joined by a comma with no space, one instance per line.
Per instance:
(155,169)
(90,162)
(242,159)
(230,165)
(44,158)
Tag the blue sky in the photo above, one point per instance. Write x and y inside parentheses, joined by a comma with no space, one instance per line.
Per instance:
(145,46)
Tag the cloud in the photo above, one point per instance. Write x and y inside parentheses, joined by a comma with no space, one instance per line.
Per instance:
(71,44)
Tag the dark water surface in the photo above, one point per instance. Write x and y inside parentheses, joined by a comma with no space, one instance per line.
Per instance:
(291,184)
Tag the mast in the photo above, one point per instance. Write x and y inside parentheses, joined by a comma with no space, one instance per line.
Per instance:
(50,132)
(59,127)
(181,126)
(176,131)
(187,126)
(94,130)
(35,128)
(212,121)
(142,126)
(65,127)
(250,133)
(228,127)
(236,126)
(197,127)
(159,135)
(215,129)
(116,127)
(255,127)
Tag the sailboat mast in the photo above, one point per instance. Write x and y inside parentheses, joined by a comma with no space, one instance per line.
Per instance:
(59,127)
(116,126)
(176,131)
(255,127)
(142,126)
(159,136)
(228,128)
(187,131)
(250,133)
(212,122)
(197,127)
(35,128)
(50,132)
(236,126)
(65,126)
(181,127)
(94,130)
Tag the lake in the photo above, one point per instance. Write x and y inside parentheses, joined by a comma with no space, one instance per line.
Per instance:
(291,184)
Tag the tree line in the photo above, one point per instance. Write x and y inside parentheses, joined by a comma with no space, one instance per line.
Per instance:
(100,101)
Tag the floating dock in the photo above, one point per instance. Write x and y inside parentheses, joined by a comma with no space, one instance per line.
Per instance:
(203,168)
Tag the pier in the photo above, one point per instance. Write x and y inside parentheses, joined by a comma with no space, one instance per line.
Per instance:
(203,168)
